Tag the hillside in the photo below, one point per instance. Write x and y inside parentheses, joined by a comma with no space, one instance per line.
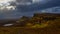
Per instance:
(38,24)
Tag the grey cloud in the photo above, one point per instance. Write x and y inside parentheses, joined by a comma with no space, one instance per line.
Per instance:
(38,6)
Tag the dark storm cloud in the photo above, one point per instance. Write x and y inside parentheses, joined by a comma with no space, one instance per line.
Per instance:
(38,6)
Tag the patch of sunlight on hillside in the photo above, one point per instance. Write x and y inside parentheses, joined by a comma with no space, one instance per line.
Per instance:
(40,25)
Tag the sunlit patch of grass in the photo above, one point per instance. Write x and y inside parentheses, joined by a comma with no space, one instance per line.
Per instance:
(29,24)
(37,25)
(40,25)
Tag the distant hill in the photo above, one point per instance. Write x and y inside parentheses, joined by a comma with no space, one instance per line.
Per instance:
(37,19)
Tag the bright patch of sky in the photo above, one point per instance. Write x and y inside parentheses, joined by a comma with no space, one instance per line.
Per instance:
(40,1)
(35,1)
(5,4)
(51,10)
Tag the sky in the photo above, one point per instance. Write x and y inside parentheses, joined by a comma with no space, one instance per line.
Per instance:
(14,9)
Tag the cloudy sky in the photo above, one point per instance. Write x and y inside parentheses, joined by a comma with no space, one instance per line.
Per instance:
(13,9)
